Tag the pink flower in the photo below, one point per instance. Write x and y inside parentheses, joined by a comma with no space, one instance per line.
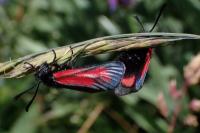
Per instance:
(162,105)
(192,71)
(191,120)
(195,105)
(174,93)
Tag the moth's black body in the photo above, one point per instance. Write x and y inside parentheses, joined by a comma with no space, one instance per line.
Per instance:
(133,59)
(45,75)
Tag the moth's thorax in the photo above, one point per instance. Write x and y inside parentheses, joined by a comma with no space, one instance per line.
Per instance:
(133,59)
(44,72)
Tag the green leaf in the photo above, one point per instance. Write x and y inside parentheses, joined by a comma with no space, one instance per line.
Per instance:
(47,24)
(62,6)
(131,99)
(195,3)
(83,4)
(144,118)
(27,122)
(108,25)
(39,4)
(153,5)
(28,45)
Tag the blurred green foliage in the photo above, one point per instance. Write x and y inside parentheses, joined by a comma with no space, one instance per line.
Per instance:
(34,25)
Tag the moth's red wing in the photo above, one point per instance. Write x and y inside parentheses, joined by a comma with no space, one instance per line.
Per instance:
(137,64)
(141,77)
(102,77)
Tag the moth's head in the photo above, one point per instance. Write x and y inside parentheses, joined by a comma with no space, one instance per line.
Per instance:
(43,71)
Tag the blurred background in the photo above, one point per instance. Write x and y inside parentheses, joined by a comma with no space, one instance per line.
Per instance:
(169,100)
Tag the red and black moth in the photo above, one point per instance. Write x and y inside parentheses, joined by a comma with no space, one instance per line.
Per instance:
(88,79)
(137,64)
(97,78)
(123,76)
(126,73)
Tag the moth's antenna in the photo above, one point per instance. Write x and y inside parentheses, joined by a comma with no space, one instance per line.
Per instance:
(139,21)
(158,17)
(31,101)
(22,93)
(156,20)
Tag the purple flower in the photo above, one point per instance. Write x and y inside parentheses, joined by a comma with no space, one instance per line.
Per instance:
(125,2)
(2,2)
(113,4)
